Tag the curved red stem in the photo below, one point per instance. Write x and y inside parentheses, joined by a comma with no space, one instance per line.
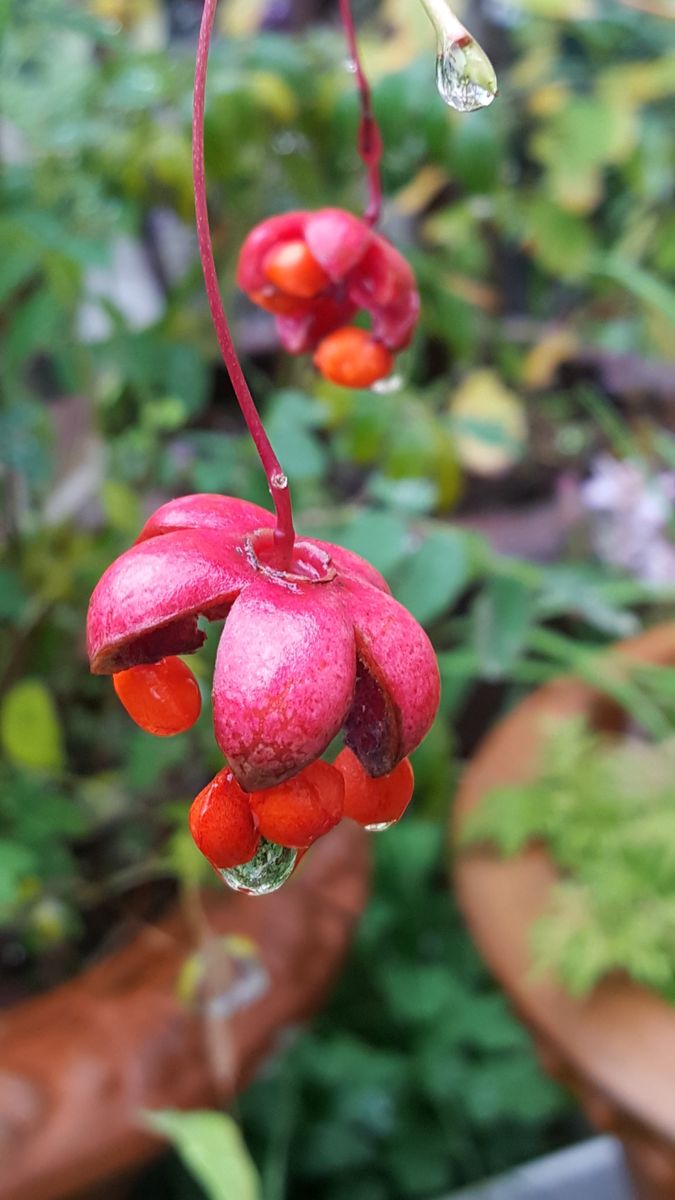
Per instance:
(370,138)
(278,484)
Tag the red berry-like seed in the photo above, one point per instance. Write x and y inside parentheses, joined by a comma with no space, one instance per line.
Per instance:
(279,303)
(293,269)
(302,809)
(162,697)
(352,358)
(222,824)
(375,801)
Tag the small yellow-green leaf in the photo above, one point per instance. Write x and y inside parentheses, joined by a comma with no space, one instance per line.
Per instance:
(488,423)
(240,18)
(121,507)
(274,95)
(29,727)
(641,82)
(560,10)
(577,191)
(560,240)
(213,1150)
(541,363)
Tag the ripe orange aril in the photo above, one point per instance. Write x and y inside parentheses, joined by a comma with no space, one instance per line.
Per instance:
(351,357)
(292,268)
(162,697)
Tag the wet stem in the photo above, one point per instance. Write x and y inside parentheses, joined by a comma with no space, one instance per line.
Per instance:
(370,138)
(284,534)
(448,27)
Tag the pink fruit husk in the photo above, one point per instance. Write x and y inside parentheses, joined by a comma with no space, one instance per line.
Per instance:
(299,658)
(365,270)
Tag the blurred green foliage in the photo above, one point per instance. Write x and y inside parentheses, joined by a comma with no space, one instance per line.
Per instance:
(604,809)
(417,1077)
(90,162)
(535,228)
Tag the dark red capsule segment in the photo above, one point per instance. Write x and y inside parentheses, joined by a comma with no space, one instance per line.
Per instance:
(162,697)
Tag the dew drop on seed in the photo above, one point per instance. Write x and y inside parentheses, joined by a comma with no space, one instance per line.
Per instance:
(387,387)
(380,826)
(465,77)
(269,868)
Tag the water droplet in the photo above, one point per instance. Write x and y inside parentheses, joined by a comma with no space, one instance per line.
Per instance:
(351,65)
(465,77)
(269,868)
(380,827)
(279,480)
(386,387)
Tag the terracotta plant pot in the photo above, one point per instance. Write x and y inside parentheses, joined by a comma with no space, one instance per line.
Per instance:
(78,1065)
(616,1048)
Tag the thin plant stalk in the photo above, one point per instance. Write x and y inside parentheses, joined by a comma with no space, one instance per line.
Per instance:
(284,534)
(369,138)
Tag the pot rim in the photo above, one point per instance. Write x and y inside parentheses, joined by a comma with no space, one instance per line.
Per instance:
(619,1040)
(79,1064)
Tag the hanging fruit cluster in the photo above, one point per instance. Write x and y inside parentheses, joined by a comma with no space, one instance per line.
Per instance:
(313,642)
(314,271)
(310,646)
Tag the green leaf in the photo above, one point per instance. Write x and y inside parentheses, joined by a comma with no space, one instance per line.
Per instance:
(475,154)
(561,241)
(431,579)
(434,765)
(186,377)
(148,758)
(12,595)
(580,134)
(51,234)
(488,423)
(646,288)
(605,810)
(380,537)
(501,620)
(415,496)
(328,1147)
(212,1149)
(19,261)
(36,326)
(16,862)
(571,589)
(290,421)
(121,507)
(29,727)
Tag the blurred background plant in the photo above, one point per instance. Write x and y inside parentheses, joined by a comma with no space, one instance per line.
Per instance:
(489,486)
(603,808)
